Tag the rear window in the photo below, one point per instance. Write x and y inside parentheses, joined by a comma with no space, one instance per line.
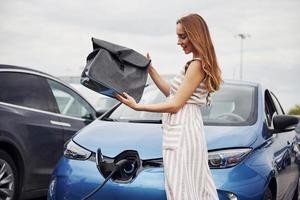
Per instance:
(232,105)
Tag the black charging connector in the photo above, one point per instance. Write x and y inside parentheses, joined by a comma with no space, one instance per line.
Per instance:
(122,169)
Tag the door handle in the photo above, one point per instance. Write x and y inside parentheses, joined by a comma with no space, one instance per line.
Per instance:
(60,123)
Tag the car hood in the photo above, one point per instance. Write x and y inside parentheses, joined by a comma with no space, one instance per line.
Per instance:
(146,138)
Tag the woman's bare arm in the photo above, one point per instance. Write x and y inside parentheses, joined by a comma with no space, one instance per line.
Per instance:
(194,75)
(162,84)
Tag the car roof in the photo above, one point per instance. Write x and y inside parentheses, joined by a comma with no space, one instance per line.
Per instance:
(14,67)
(241,82)
(34,71)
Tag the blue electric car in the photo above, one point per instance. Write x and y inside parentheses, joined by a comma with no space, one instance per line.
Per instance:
(252,150)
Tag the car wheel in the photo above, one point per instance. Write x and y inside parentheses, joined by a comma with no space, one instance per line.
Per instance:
(296,195)
(8,177)
(268,194)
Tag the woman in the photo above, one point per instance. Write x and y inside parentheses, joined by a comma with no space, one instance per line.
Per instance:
(187,174)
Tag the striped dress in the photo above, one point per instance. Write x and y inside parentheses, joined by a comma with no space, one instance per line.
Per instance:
(185,157)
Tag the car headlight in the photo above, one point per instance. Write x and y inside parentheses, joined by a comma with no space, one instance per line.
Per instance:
(227,158)
(74,151)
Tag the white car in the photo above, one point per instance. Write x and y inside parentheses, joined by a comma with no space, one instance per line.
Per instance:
(100,102)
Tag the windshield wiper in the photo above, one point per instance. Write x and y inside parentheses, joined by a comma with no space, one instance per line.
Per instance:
(145,121)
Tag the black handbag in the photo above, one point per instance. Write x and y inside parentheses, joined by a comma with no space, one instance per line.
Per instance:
(112,68)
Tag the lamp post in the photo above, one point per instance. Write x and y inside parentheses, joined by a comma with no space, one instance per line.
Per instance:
(243,37)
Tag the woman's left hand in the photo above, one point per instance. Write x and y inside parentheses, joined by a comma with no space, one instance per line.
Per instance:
(127,100)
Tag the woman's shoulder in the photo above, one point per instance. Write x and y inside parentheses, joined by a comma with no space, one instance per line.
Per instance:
(194,61)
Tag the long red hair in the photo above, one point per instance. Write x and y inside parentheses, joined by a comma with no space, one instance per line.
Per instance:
(198,34)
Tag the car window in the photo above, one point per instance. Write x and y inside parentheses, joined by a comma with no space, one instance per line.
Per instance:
(25,89)
(270,109)
(100,102)
(233,104)
(277,105)
(69,103)
(151,95)
(267,114)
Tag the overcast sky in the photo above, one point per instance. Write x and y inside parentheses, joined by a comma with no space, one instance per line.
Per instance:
(54,36)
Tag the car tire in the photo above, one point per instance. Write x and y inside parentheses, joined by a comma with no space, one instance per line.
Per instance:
(296,194)
(8,177)
(268,194)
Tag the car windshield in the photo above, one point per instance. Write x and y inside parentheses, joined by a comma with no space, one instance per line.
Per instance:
(232,105)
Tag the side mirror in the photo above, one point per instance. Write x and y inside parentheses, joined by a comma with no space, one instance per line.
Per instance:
(284,123)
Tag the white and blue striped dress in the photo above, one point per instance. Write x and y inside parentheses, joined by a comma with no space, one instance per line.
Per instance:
(187,174)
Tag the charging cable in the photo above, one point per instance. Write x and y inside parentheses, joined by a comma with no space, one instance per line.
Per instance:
(116,168)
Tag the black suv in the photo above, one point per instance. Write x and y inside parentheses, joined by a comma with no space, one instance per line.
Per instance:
(38,114)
